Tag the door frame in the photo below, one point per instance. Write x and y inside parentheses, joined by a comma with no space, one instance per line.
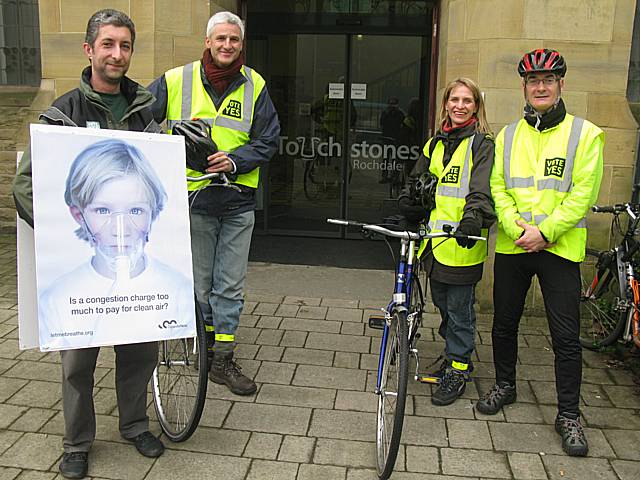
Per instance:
(349,25)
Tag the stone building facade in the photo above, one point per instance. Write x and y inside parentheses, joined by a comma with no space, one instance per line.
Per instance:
(481,39)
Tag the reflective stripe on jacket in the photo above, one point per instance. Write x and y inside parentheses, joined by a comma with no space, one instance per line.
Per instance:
(230,125)
(549,179)
(451,194)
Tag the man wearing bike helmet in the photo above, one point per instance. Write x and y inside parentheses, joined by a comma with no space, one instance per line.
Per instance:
(233,99)
(546,176)
(105,98)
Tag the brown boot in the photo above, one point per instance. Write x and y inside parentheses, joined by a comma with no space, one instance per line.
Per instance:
(224,370)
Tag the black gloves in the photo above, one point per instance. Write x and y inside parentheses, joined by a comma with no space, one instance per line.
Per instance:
(469,225)
(413,213)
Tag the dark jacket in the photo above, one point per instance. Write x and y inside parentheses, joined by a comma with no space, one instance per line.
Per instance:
(263,143)
(75,109)
(479,204)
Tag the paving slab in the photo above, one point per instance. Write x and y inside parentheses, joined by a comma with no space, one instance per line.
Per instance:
(526,466)
(344,425)
(175,465)
(33,451)
(472,434)
(346,453)
(296,396)
(562,467)
(626,470)
(422,459)
(214,440)
(474,462)
(308,356)
(263,445)
(329,377)
(268,470)
(622,441)
(297,449)
(268,418)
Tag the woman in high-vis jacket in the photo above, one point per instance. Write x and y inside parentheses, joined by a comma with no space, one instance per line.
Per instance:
(460,156)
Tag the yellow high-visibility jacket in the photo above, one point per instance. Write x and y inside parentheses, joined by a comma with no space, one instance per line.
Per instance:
(549,179)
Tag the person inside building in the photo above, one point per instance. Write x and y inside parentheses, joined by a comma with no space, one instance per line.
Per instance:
(221,90)
(390,122)
(546,177)
(328,113)
(456,163)
(106,98)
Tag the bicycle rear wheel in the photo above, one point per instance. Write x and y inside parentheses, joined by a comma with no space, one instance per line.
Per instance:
(180,382)
(602,312)
(393,395)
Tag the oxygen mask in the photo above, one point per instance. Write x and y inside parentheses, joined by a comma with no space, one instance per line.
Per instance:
(119,238)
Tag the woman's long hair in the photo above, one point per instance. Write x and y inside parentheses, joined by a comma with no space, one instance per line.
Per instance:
(482,125)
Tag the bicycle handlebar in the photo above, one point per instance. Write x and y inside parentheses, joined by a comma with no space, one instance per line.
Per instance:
(617,208)
(405,234)
(219,180)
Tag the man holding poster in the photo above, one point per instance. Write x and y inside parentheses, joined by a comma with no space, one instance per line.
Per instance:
(106,98)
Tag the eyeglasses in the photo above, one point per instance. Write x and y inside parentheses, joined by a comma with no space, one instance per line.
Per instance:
(547,81)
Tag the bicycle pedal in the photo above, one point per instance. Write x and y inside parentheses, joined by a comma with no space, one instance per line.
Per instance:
(376,323)
(429,379)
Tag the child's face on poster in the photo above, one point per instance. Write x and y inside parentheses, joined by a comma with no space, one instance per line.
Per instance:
(119,216)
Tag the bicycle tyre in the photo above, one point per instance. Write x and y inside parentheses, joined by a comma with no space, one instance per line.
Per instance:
(393,395)
(417,304)
(601,316)
(180,382)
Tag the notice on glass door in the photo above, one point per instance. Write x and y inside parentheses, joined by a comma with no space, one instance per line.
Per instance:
(336,90)
(358,91)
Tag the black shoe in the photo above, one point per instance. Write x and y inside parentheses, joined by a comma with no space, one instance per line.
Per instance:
(74,465)
(439,373)
(148,444)
(225,371)
(574,442)
(501,394)
(451,386)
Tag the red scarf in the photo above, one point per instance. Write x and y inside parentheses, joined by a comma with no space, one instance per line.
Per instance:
(447,128)
(218,77)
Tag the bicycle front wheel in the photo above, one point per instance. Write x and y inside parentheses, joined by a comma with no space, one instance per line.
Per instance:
(180,382)
(393,394)
(602,311)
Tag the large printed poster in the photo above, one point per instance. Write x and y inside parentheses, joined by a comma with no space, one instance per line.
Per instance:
(112,243)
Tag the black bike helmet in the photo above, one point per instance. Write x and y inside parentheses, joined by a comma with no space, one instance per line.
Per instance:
(424,190)
(542,60)
(198,142)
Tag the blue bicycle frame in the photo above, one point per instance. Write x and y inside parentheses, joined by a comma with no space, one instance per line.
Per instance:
(401,296)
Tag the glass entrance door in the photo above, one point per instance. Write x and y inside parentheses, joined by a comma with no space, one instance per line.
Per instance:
(388,101)
(351,109)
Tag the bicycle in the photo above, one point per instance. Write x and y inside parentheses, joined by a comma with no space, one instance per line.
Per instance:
(400,325)
(179,381)
(610,296)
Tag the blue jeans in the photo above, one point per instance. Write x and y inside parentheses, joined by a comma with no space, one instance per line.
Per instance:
(220,249)
(458,326)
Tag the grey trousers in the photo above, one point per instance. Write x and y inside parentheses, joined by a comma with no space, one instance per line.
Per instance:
(134,366)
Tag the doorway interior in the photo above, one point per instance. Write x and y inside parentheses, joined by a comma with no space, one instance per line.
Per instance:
(352,85)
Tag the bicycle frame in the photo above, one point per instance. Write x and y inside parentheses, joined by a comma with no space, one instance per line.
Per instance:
(624,268)
(401,297)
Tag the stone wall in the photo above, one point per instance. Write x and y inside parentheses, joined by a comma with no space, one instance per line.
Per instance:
(484,40)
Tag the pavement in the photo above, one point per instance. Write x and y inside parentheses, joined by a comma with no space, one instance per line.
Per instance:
(304,339)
